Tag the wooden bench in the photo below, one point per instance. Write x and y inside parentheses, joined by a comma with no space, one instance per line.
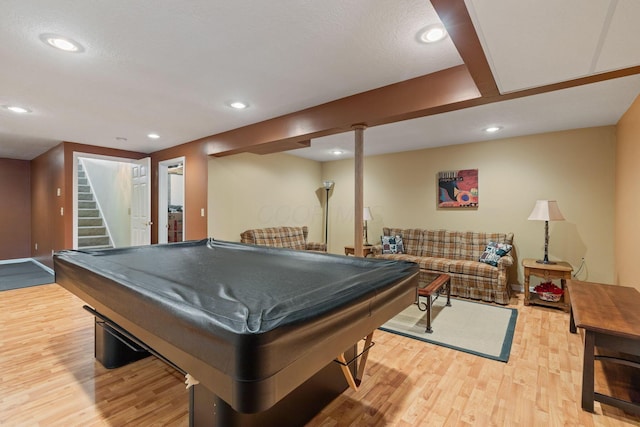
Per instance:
(433,287)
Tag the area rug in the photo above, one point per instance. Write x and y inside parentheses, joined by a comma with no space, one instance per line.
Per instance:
(23,274)
(472,327)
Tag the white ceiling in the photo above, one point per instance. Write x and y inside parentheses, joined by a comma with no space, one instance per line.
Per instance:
(171,67)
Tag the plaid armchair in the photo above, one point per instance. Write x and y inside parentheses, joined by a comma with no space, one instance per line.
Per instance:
(282,237)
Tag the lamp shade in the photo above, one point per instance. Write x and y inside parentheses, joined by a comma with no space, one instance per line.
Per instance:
(546,210)
(366,214)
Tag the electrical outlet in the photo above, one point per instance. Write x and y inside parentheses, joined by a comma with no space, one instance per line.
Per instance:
(202,212)
(58,192)
(61,211)
(36,247)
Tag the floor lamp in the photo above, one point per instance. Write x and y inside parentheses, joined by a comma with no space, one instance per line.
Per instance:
(366,215)
(546,210)
(328,185)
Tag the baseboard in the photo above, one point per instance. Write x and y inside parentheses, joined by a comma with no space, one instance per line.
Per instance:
(15,260)
(50,270)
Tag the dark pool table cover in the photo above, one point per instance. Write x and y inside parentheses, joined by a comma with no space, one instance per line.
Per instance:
(245,312)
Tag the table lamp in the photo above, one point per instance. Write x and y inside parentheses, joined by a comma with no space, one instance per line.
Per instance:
(366,215)
(546,210)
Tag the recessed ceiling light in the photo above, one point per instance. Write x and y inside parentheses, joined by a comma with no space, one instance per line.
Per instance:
(432,33)
(16,109)
(153,136)
(492,129)
(336,152)
(62,43)
(238,105)
(121,138)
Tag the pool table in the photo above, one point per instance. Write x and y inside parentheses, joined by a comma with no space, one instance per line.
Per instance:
(254,326)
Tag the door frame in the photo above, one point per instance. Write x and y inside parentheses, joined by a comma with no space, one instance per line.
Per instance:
(163,200)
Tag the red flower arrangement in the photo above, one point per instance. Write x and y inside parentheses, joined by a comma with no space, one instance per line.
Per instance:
(547,291)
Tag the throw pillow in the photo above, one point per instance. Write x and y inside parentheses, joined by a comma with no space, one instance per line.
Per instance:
(392,245)
(493,252)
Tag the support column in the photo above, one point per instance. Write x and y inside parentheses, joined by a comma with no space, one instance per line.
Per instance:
(359,189)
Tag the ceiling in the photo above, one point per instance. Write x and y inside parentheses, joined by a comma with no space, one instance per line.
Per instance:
(173,67)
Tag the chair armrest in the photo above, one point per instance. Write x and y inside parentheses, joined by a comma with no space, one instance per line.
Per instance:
(311,246)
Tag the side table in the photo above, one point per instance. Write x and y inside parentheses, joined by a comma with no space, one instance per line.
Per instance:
(561,270)
(366,250)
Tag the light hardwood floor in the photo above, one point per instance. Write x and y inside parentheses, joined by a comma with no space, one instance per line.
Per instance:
(48,377)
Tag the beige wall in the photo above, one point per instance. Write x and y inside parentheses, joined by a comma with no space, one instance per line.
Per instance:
(252,191)
(627,231)
(574,167)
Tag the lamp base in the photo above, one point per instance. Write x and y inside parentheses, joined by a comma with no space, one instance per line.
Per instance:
(545,261)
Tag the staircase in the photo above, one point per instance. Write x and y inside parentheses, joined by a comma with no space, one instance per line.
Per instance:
(91,230)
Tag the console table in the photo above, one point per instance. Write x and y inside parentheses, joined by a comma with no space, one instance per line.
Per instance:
(610,318)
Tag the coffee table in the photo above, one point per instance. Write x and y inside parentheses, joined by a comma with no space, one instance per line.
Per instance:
(610,318)
(430,284)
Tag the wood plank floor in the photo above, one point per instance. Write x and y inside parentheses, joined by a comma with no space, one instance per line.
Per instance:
(48,377)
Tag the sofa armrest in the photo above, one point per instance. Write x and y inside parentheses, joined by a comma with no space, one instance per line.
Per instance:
(505,261)
(376,250)
(321,247)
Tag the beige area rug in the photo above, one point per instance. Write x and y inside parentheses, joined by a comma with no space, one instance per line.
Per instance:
(472,327)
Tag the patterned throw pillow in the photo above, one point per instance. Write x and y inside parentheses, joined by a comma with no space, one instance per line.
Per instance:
(493,252)
(392,245)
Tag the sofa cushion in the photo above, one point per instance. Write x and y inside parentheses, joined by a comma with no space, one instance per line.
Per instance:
(439,243)
(493,252)
(392,245)
(474,268)
(471,245)
(441,265)
(411,238)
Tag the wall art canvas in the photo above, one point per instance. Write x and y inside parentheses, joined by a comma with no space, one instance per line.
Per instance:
(458,189)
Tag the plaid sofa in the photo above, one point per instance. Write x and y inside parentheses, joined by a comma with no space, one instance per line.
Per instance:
(456,254)
(282,237)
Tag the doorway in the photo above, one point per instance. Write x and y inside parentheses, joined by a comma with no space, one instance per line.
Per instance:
(171,202)
(103,218)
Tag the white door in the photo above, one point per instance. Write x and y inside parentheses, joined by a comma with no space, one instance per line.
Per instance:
(141,202)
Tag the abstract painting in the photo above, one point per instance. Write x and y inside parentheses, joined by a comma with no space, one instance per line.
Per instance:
(458,189)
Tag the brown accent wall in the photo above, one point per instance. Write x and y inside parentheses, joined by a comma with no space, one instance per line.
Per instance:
(627,204)
(195,186)
(15,215)
(52,219)
(47,225)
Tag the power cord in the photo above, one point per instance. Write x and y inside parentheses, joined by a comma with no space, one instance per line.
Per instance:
(582,265)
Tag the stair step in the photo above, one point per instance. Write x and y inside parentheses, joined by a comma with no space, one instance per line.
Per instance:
(88,213)
(83,181)
(85,196)
(88,222)
(84,189)
(84,241)
(97,247)
(92,231)
(86,204)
